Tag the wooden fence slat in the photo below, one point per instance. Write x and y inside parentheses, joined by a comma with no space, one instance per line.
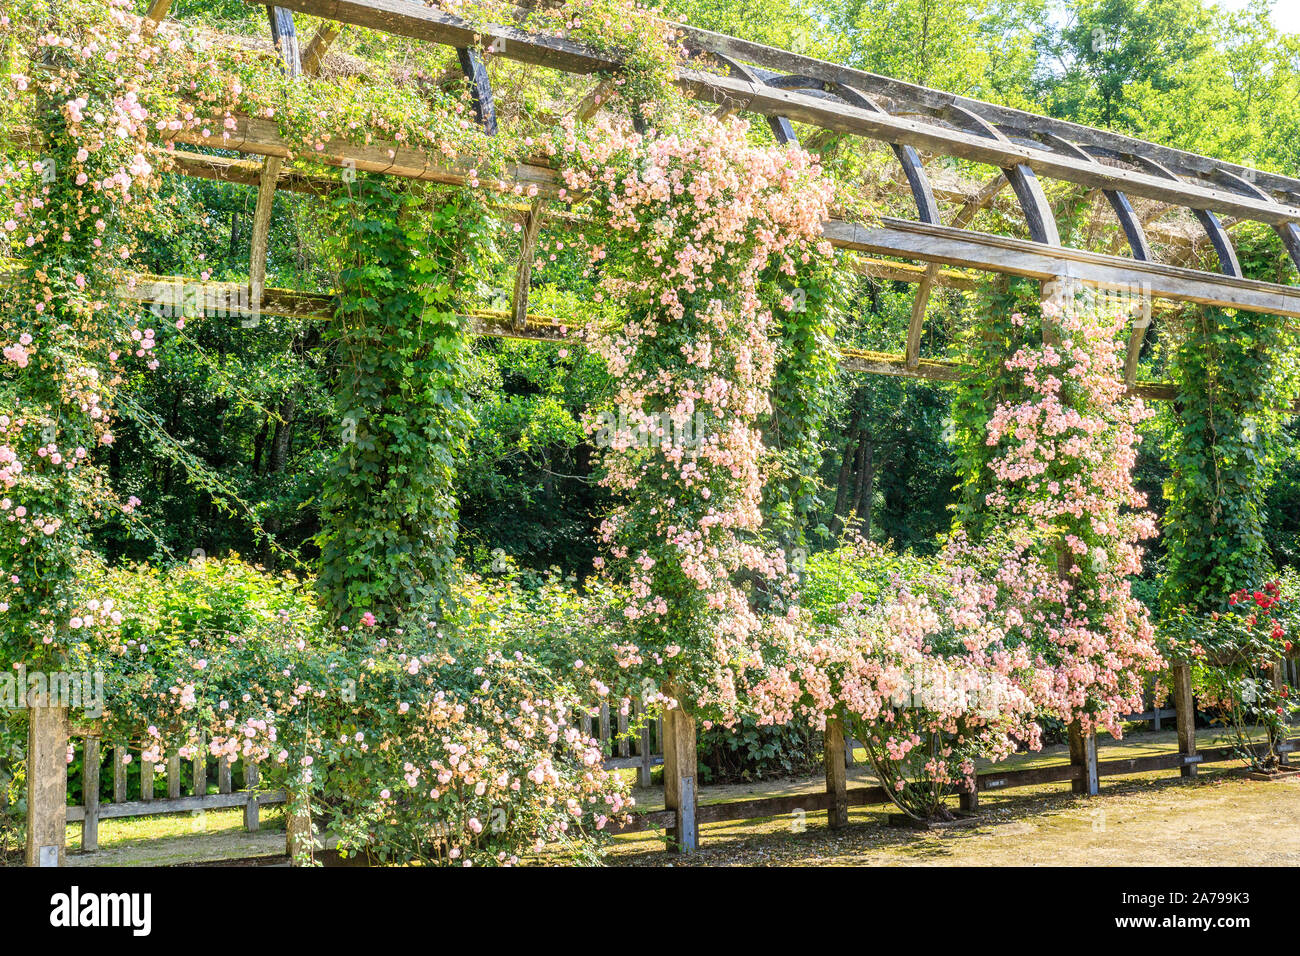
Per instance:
(251,821)
(146,778)
(624,745)
(90,796)
(644,751)
(120,753)
(223,774)
(174,776)
(199,779)
(604,728)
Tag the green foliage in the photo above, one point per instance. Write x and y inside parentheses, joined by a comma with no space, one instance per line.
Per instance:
(1233,392)
(988,345)
(1233,651)
(407,259)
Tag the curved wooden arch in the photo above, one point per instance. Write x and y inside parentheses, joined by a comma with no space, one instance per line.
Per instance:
(1039,217)
(1119,202)
(480,88)
(927,208)
(1289,232)
(1227,255)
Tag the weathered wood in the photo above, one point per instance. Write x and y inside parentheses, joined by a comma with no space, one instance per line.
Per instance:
(643,774)
(47,782)
(594,99)
(604,727)
(223,775)
(191,804)
(173,776)
(480,87)
(158,10)
(251,821)
(892,237)
(624,747)
(90,765)
(837,812)
(120,752)
(199,770)
(532,225)
(1083,760)
(313,58)
(1186,717)
(285,38)
(299,843)
(910,97)
(959,247)
(147,777)
(1137,333)
(419,22)
(680,791)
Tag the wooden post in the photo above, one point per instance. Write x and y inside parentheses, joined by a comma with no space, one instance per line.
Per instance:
(90,796)
(1279,743)
(1185,709)
(624,749)
(837,815)
(223,774)
(604,728)
(970,799)
(47,783)
(299,844)
(251,821)
(1083,753)
(680,792)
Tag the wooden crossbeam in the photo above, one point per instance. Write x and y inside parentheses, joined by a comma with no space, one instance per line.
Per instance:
(230,299)
(1021,257)
(890,237)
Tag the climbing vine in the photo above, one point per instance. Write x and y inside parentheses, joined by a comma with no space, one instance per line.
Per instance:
(1234,389)
(410,259)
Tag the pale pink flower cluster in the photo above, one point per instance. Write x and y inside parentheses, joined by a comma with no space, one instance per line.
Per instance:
(1076,521)
(689,222)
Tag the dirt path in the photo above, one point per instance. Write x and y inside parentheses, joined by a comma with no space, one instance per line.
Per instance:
(1222,819)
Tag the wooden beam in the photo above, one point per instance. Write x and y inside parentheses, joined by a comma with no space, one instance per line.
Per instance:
(1136,335)
(285,38)
(892,237)
(901,96)
(973,250)
(314,56)
(527,249)
(416,21)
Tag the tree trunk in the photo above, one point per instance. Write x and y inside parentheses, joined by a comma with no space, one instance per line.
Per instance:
(868,485)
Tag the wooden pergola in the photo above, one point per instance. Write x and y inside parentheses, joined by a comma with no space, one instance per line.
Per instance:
(785,89)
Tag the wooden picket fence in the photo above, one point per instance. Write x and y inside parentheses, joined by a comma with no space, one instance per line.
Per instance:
(644,749)
(615,740)
(186,792)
